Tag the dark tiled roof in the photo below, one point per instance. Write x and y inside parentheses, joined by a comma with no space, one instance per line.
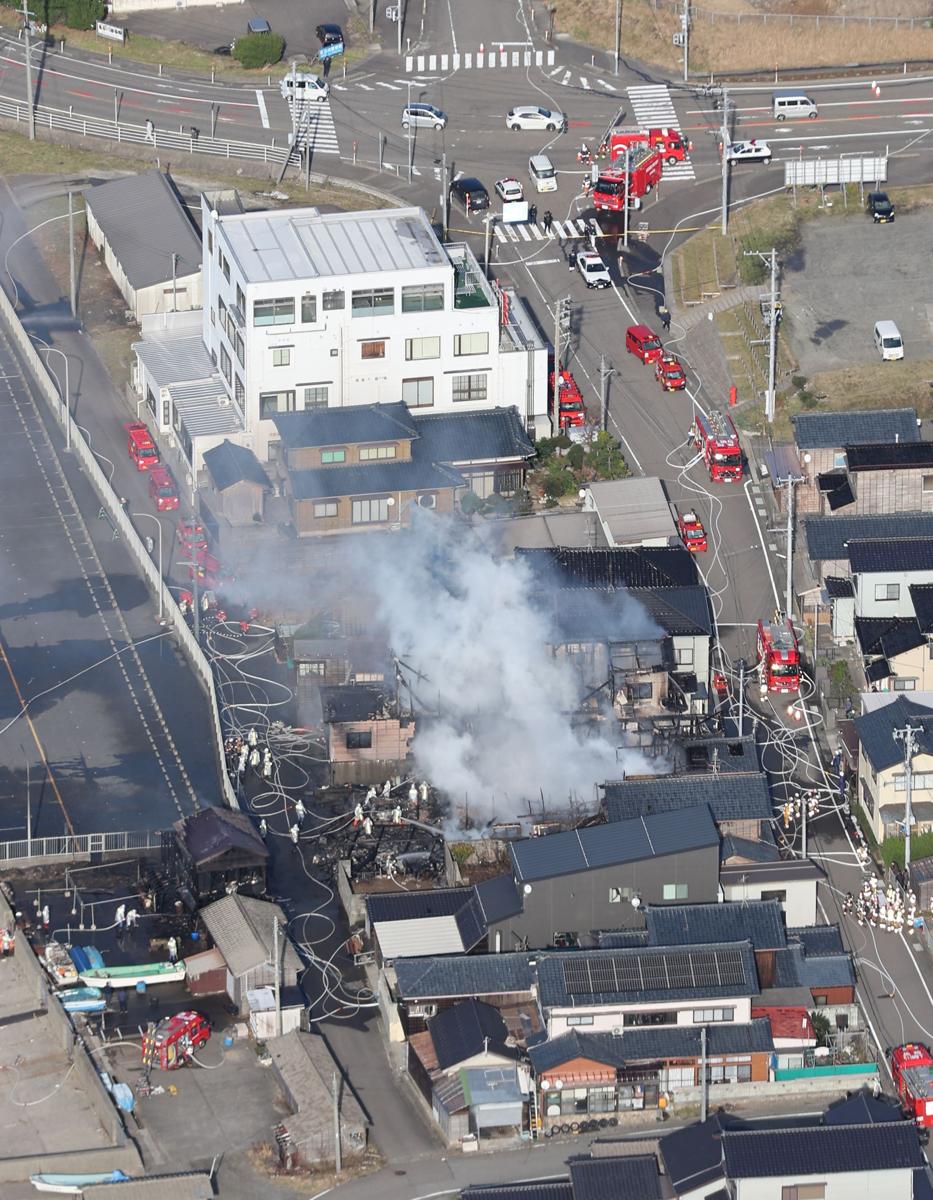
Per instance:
(551,1189)
(595,977)
(788,869)
(463,1030)
(349,425)
(229,464)
(621,939)
(875,731)
(730,797)
(817,939)
(635,1177)
(762,850)
(824,1150)
(641,567)
(788,967)
(837,588)
(921,595)
(726,755)
(605,614)
(878,670)
(759,921)
(371,478)
(498,898)
(891,554)
(888,636)
(889,456)
(644,1044)
(611,845)
(862,1109)
(462,438)
(828,537)
(692,1156)
(828,971)
(921,869)
(832,430)
(353,702)
(418,906)
(463,975)
(213,831)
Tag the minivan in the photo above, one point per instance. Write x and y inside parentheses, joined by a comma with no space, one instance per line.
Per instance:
(789,103)
(643,343)
(888,341)
(423,116)
(542,172)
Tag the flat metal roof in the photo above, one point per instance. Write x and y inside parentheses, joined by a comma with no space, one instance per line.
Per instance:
(633,511)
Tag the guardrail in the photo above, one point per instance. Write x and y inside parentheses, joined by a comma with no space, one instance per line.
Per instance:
(79,845)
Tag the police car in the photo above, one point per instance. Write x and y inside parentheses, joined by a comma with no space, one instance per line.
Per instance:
(510,190)
(753,151)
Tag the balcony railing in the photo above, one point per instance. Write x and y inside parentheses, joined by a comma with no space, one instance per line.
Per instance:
(471,289)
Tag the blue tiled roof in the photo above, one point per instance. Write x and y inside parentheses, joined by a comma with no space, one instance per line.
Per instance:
(644,1044)
(760,850)
(817,939)
(862,1109)
(370,478)
(888,636)
(348,425)
(891,554)
(460,903)
(463,975)
(692,1156)
(833,430)
(633,568)
(595,977)
(584,614)
(875,731)
(731,797)
(828,537)
(824,1150)
(828,971)
(498,898)
(551,1189)
(462,438)
(634,1176)
(614,844)
(229,464)
(921,595)
(464,1030)
(759,921)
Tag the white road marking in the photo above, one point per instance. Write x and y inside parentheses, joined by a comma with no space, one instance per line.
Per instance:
(542,262)
(263,114)
(607,86)
(585,83)
(390,86)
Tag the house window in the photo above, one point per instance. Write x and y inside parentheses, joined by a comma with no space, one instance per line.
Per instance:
(708,1016)
(579,1020)
(239,347)
(373,302)
(210,241)
(359,739)
(224,266)
(222,310)
(213,317)
(322,509)
(271,403)
(921,781)
(274,312)
(166,412)
(685,657)
(839,460)
(729,1072)
(337,454)
(315,395)
(372,453)
(239,390)
(418,393)
(308,310)
(469,387)
(642,691)
(471,343)
(331,301)
(240,299)
(868,800)
(424,347)
(675,891)
(372,350)
(927,484)
(370,512)
(618,894)
(820,1001)
(887,591)
(904,685)
(651,1018)
(319,667)
(281,356)
(226,366)
(804,1191)
(424,297)
(779,894)
(508,482)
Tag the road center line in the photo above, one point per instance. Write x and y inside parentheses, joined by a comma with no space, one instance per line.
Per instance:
(263,113)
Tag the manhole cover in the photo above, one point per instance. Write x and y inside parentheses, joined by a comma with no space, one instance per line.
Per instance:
(400,1172)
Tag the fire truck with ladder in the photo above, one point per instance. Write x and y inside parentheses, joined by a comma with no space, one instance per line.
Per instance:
(779,655)
(669,142)
(715,435)
(912,1069)
(612,188)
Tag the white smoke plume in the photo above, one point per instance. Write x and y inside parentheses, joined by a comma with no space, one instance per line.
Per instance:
(476,627)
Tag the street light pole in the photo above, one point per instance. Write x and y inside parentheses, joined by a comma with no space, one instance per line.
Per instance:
(625,198)
(30,111)
(410,142)
(789,481)
(150,517)
(772,341)
(725,162)
(618,41)
(685,28)
(907,736)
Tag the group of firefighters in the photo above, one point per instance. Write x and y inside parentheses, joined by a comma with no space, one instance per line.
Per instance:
(880,907)
(363,812)
(242,752)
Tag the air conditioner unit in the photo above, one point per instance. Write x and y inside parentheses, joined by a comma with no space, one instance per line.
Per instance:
(617,1030)
(223,401)
(422,1010)
(428,500)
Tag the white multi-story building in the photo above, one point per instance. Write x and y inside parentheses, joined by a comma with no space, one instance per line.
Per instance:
(304,309)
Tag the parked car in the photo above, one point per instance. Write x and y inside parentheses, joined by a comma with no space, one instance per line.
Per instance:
(258,25)
(670,374)
(162,489)
(470,194)
(527,116)
(888,341)
(510,190)
(593,270)
(880,208)
(420,116)
(643,343)
(329,34)
(753,151)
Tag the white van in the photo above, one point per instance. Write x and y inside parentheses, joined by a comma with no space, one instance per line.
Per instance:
(542,172)
(789,103)
(888,341)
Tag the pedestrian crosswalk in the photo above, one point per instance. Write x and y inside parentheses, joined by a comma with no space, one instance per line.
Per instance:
(585,82)
(653,108)
(313,123)
(497,58)
(574,227)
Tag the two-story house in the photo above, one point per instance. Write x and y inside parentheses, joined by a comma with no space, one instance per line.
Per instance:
(882,780)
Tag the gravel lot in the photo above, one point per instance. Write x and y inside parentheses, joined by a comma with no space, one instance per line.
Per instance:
(849,273)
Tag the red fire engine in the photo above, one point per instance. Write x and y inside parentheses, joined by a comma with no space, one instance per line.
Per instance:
(140,446)
(175,1039)
(612,188)
(716,436)
(691,531)
(779,655)
(570,407)
(162,490)
(669,142)
(912,1068)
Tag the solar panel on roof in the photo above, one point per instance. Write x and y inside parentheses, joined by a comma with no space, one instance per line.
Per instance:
(576,977)
(602,975)
(656,975)
(680,970)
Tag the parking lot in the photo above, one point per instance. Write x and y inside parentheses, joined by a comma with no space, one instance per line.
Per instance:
(846,275)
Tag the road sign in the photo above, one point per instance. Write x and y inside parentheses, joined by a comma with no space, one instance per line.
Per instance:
(677,39)
(392,12)
(854,169)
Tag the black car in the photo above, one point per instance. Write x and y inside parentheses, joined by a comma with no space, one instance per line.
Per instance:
(880,208)
(471,194)
(329,35)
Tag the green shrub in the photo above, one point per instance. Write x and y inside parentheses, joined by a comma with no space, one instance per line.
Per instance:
(76,14)
(575,457)
(558,481)
(470,503)
(259,49)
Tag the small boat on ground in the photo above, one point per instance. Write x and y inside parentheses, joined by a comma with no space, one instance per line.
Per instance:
(83,999)
(58,963)
(74,1185)
(95,958)
(130,976)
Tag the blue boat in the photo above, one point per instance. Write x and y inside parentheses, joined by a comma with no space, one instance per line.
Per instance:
(80,959)
(74,1185)
(83,999)
(95,958)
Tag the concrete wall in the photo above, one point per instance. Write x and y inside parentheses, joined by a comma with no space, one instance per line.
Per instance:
(607,1017)
(863,1185)
(866,604)
(825,1085)
(799,905)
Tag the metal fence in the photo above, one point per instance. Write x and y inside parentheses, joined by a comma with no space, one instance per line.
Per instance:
(807,20)
(78,846)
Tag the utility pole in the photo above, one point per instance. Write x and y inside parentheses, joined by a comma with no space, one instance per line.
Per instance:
(741,665)
(335,1094)
(605,373)
(789,481)
(907,735)
(488,220)
(772,340)
(411,145)
(726,138)
(174,282)
(618,41)
(625,198)
(278,976)
(685,31)
(401,11)
(73,293)
(30,107)
(445,195)
(561,334)
(703,1074)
